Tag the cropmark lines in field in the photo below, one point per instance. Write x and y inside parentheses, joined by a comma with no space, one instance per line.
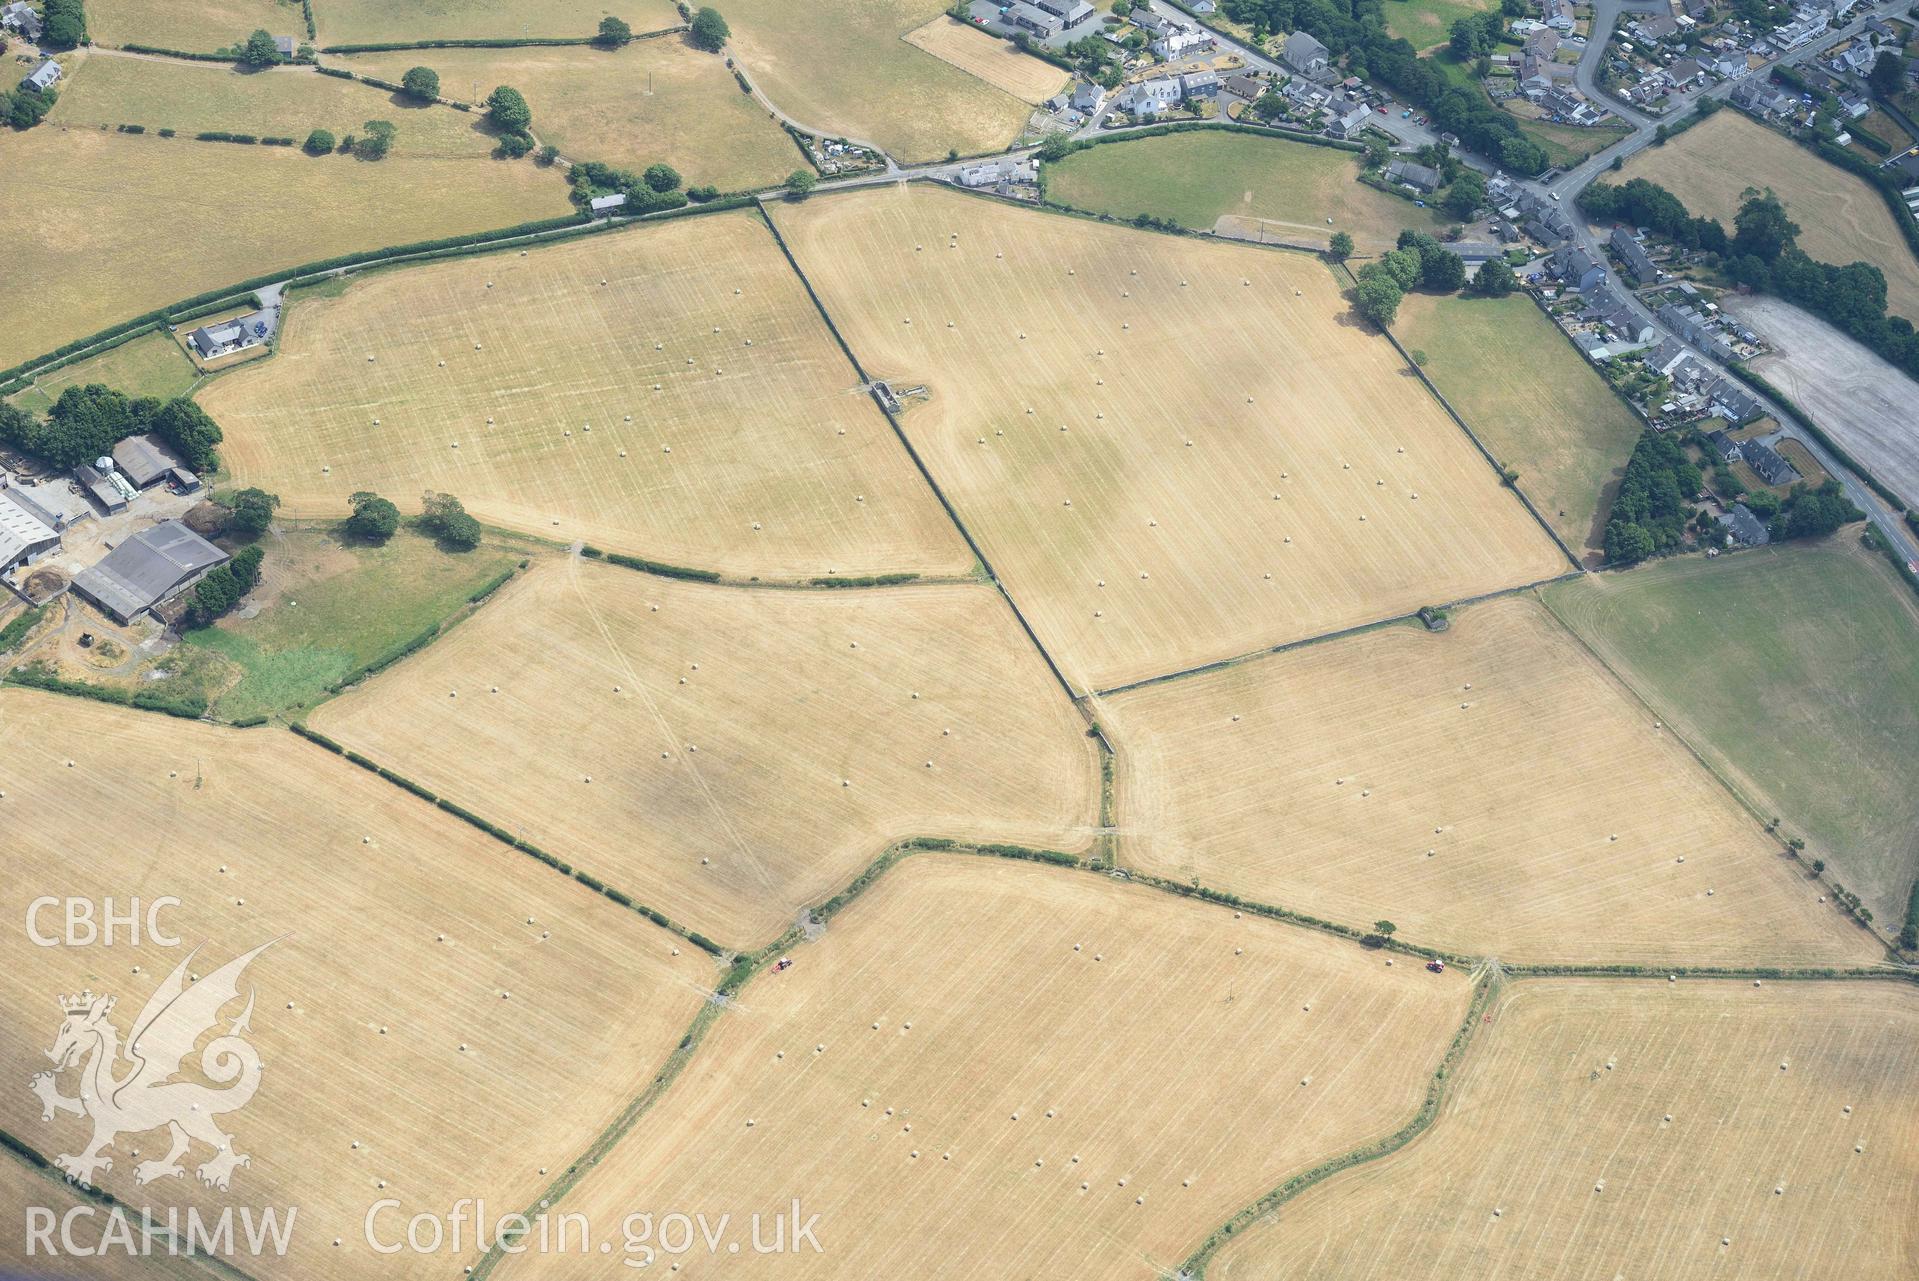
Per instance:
(666,390)
(439,1018)
(728,756)
(991,1069)
(1489,789)
(1634,1128)
(1172,452)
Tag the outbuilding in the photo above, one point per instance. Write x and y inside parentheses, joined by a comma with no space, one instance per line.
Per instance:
(148,569)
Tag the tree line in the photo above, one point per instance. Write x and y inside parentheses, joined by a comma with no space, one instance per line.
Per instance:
(86,422)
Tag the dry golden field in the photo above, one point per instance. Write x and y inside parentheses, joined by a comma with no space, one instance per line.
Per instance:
(1489,789)
(654,100)
(1662,1133)
(844,67)
(371,21)
(106,226)
(25,1253)
(668,391)
(1840,218)
(402,936)
(195,26)
(991,1069)
(1172,451)
(998,62)
(748,752)
(190,97)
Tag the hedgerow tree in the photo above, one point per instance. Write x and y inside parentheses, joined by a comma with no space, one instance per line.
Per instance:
(225,587)
(613,31)
(1494,279)
(260,50)
(661,177)
(374,519)
(506,108)
(250,512)
(709,30)
(319,142)
(377,140)
(1341,247)
(422,83)
(800,182)
(445,517)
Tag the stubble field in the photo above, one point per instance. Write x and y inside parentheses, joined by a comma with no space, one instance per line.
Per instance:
(1645,1130)
(1488,789)
(107,226)
(24,1253)
(666,390)
(1840,218)
(194,26)
(989,1069)
(402,936)
(369,21)
(653,101)
(749,752)
(1172,452)
(998,62)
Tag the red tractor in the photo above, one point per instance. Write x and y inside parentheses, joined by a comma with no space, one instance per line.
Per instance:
(1436,966)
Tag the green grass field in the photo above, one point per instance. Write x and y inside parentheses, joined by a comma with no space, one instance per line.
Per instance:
(329,607)
(1195,178)
(150,365)
(1795,670)
(287,102)
(1567,145)
(1425,23)
(1532,399)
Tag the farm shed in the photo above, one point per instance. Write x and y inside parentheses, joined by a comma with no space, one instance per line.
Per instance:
(27,530)
(145,461)
(152,566)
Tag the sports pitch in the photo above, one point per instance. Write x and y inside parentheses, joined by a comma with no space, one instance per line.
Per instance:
(1172,452)
(439,1017)
(725,755)
(1645,1130)
(986,1068)
(1488,789)
(665,390)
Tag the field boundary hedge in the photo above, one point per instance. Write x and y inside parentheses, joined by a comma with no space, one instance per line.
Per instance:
(512,42)
(35,676)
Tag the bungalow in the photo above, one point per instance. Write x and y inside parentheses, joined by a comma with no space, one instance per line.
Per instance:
(148,569)
(42,77)
(19,17)
(1070,12)
(1542,43)
(1744,528)
(1639,264)
(1304,54)
(1148,21)
(1038,21)
(1204,6)
(1419,177)
(1682,72)
(1725,446)
(1765,460)
(237,334)
(1657,27)
(1251,88)
(606,204)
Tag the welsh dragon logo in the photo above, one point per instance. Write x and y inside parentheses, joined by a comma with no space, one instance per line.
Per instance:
(145,1096)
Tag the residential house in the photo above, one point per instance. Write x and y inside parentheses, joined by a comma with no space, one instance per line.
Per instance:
(1204,7)
(1088,97)
(1762,98)
(1765,460)
(1177,42)
(1662,26)
(986,175)
(1559,14)
(1639,264)
(1148,21)
(242,332)
(1345,119)
(1151,97)
(1251,88)
(1305,95)
(1856,105)
(1070,12)
(1695,329)
(1682,72)
(148,569)
(1723,445)
(1744,528)
(1578,268)
(283,45)
(42,77)
(1419,177)
(1664,357)
(600,204)
(1542,42)
(1199,84)
(21,17)
(1304,54)
(1734,402)
(1036,20)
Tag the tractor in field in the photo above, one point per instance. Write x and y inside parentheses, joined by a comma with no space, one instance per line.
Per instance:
(1436,965)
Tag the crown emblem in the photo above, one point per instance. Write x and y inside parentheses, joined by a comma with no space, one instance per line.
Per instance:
(78,1004)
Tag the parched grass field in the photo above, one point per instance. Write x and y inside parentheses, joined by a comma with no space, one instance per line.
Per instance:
(666,390)
(991,1069)
(1198,177)
(284,102)
(1567,145)
(1425,23)
(328,606)
(381,21)
(1796,671)
(191,25)
(728,755)
(1645,1130)
(1489,789)
(655,100)
(998,62)
(1537,405)
(1171,451)
(403,935)
(107,226)
(151,365)
(1840,218)
(845,68)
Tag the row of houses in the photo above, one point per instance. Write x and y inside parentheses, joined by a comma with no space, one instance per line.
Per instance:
(1172,38)
(1697,387)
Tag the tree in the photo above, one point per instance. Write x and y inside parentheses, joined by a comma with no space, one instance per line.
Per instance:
(506,108)
(1341,247)
(1377,295)
(1762,230)
(319,142)
(1627,544)
(515,145)
(1818,866)
(250,512)
(800,182)
(378,140)
(1494,279)
(25,108)
(188,432)
(445,517)
(614,32)
(661,177)
(259,50)
(549,154)
(66,24)
(1055,147)
(1888,75)
(1385,927)
(1466,195)
(374,518)
(225,587)
(422,83)
(709,30)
